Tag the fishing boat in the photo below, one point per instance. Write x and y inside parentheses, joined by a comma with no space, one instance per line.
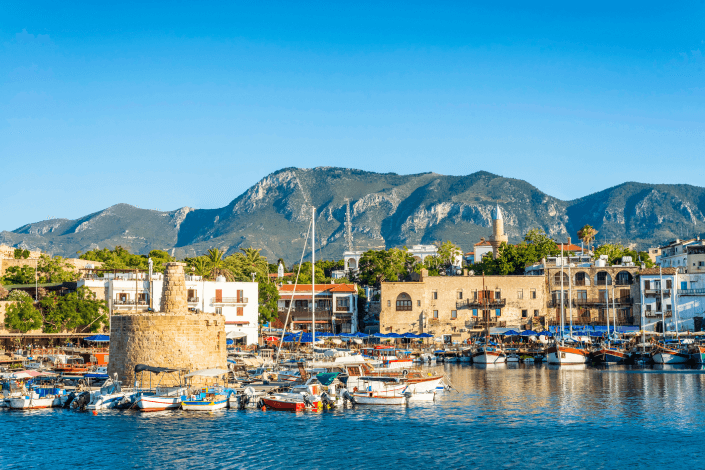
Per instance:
(488,355)
(562,354)
(610,355)
(206,398)
(664,355)
(378,398)
(697,354)
(163,397)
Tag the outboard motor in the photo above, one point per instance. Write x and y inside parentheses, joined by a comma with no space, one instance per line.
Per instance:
(82,401)
(348,397)
(327,402)
(69,399)
(307,400)
(242,402)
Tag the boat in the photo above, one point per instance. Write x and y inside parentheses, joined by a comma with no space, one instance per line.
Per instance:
(527,359)
(697,354)
(164,397)
(390,357)
(207,398)
(610,355)
(513,358)
(664,355)
(378,398)
(488,355)
(292,402)
(561,354)
(108,397)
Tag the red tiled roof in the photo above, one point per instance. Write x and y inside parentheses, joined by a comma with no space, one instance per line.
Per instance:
(655,271)
(567,247)
(469,253)
(485,243)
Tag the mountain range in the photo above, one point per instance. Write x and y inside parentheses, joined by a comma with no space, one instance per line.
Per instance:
(386,210)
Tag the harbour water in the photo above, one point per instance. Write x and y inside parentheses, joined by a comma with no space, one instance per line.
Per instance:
(505,416)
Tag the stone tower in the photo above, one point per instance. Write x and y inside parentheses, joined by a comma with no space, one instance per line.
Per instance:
(498,235)
(173,338)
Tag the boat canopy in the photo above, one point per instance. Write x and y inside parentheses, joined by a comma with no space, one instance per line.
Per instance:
(327,378)
(208,373)
(380,379)
(152,369)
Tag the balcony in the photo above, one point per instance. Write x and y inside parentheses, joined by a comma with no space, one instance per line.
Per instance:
(579,302)
(623,282)
(557,303)
(652,313)
(193,300)
(666,292)
(120,303)
(229,301)
(341,309)
(485,323)
(691,291)
(481,304)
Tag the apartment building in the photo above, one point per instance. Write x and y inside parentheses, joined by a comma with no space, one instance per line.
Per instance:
(335,307)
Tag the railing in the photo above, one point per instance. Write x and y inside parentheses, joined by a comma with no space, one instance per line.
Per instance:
(485,323)
(603,282)
(623,283)
(304,310)
(229,300)
(404,308)
(557,303)
(666,292)
(691,291)
(603,300)
(341,309)
(653,313)
(130,302)
(489,303)
(193,300)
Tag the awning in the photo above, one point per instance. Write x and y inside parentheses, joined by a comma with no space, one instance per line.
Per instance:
(98,338)
(208,373)
(235,334)
(152,369)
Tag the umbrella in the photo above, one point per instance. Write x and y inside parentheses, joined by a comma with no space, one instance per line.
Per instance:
(409,335)
(425,335)
(511,333)
(529,333)
(379,335)
(394,335)
(98,338)
(235,334)
(546,333)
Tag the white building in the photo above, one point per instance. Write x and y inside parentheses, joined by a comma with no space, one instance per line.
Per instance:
(675,254)
(662,289)
(236,301)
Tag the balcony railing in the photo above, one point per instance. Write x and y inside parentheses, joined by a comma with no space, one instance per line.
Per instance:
(229,301)
(341,309)
(652,313)
(623,282)
(666,292)
(142,303)
(193,300)
(485,323)
(488,303)
(691,291)
(602,301)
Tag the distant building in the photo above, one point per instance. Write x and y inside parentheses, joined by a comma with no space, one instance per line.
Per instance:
(336,307)
(675,254)
(236,301)
(498,236)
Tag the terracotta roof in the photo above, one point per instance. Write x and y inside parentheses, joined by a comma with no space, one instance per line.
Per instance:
(656,271)
(338,288)
(567,247)
(469,253)
(485,243)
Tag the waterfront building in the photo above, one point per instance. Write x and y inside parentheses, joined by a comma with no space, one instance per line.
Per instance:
(336,307)
(457,307)
(675,254)
(136,291)
(674,294)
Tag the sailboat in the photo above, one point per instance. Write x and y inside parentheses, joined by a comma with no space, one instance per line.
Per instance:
(663,354)
(485,353)
(609,354)
(560,353)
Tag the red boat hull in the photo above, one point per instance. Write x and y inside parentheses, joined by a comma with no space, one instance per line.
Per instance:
(287,405)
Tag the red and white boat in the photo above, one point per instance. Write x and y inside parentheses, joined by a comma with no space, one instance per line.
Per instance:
(664,355)
(489,355)
(292,402)
(558,354)
(164,399)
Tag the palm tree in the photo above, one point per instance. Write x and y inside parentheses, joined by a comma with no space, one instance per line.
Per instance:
(254,260)
(201,267)
(587,234)
(217,265)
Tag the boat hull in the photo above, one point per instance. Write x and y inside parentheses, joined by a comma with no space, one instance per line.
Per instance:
(489,357)
(290,405)
(24,403)
(698,356)
(667,357)
(157,403)
(375,399)
(566,355)
(218,403)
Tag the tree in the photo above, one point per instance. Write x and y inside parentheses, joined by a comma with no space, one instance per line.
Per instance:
(200,266)
(21,254)
(118,258)
(390,265)
(19,275)
(616,251)
(587,234)
(22,316)
(513,259)
(217,265)
(159,260)
(55,270)
(447,253)
(268,300)
(76,310)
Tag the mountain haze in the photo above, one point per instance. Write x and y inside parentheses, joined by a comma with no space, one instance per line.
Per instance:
(387,210)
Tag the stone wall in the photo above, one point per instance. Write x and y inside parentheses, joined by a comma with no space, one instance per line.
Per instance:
(74,263)
(9,252)
(173,338)
(524,303)
(180,341)
(3,330)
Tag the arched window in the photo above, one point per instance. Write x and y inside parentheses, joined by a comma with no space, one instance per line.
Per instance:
(582,279)
(624,278)
(603,278)
(352,264)
(403,302)
(557,279)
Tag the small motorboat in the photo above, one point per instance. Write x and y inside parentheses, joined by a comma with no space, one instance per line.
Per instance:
(293,402)
(163,397)
(375,398)
(513,358)
(207,398)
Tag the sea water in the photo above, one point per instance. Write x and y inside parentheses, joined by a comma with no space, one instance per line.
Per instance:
(504,416)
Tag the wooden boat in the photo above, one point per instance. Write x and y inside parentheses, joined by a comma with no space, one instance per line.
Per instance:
(610,355)
(292,402)
(663,355)
(558,354)
(488,355)
(206,398)
(164,398)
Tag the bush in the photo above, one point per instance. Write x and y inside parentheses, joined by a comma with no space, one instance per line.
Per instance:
(3,293)
(18,295)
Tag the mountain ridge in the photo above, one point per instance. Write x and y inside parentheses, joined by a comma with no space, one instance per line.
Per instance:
(387,210)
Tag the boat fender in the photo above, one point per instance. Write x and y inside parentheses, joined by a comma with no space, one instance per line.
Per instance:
(355,389)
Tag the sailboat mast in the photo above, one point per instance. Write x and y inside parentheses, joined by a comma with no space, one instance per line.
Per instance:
(614,312)
(609,342)
(570,297)
(663,312)
(562,297)
(313,276)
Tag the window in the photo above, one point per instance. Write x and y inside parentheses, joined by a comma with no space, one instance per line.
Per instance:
(524,313)
(389,303)
(240,311)
(240,297)
(460,295)
(581,279)
(648,308)
(581,295)
(418,303)
(498,294)
(403,302)
(533,293)
(536,313)
(343,303)
(219,310)
(301,304)
(520,294)
(191,295)
(647,285)
(498,312)
(669,283)
(474,312)
(434,295)
(435,314)
(142,298)
(287,303)
(474,295)
(453,314)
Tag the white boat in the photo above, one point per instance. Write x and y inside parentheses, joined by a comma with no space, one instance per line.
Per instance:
(31,401)
(558,354)
(670,356)
(206,398)
(513,358)
(164,398)
(375,398)
(109,396)
(489,355)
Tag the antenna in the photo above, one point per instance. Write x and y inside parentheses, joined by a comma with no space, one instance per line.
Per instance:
(348,225)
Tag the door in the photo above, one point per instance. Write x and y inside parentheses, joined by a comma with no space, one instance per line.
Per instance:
(219,295)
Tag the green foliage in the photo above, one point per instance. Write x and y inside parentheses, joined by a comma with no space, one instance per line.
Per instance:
(159,260)
(616,251)
(55,269)
(18,295)
(19,275)
(22,316)
(74,310)
(587,234)
(21,254)
(268,298)
(385,265)
(117,258)
(512,259)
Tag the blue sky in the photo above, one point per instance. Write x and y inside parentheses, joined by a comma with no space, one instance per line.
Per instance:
(163,105)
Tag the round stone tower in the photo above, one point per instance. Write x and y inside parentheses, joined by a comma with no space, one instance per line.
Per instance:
(173,338)
(498,235)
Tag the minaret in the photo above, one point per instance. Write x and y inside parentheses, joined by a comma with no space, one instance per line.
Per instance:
(498,235)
